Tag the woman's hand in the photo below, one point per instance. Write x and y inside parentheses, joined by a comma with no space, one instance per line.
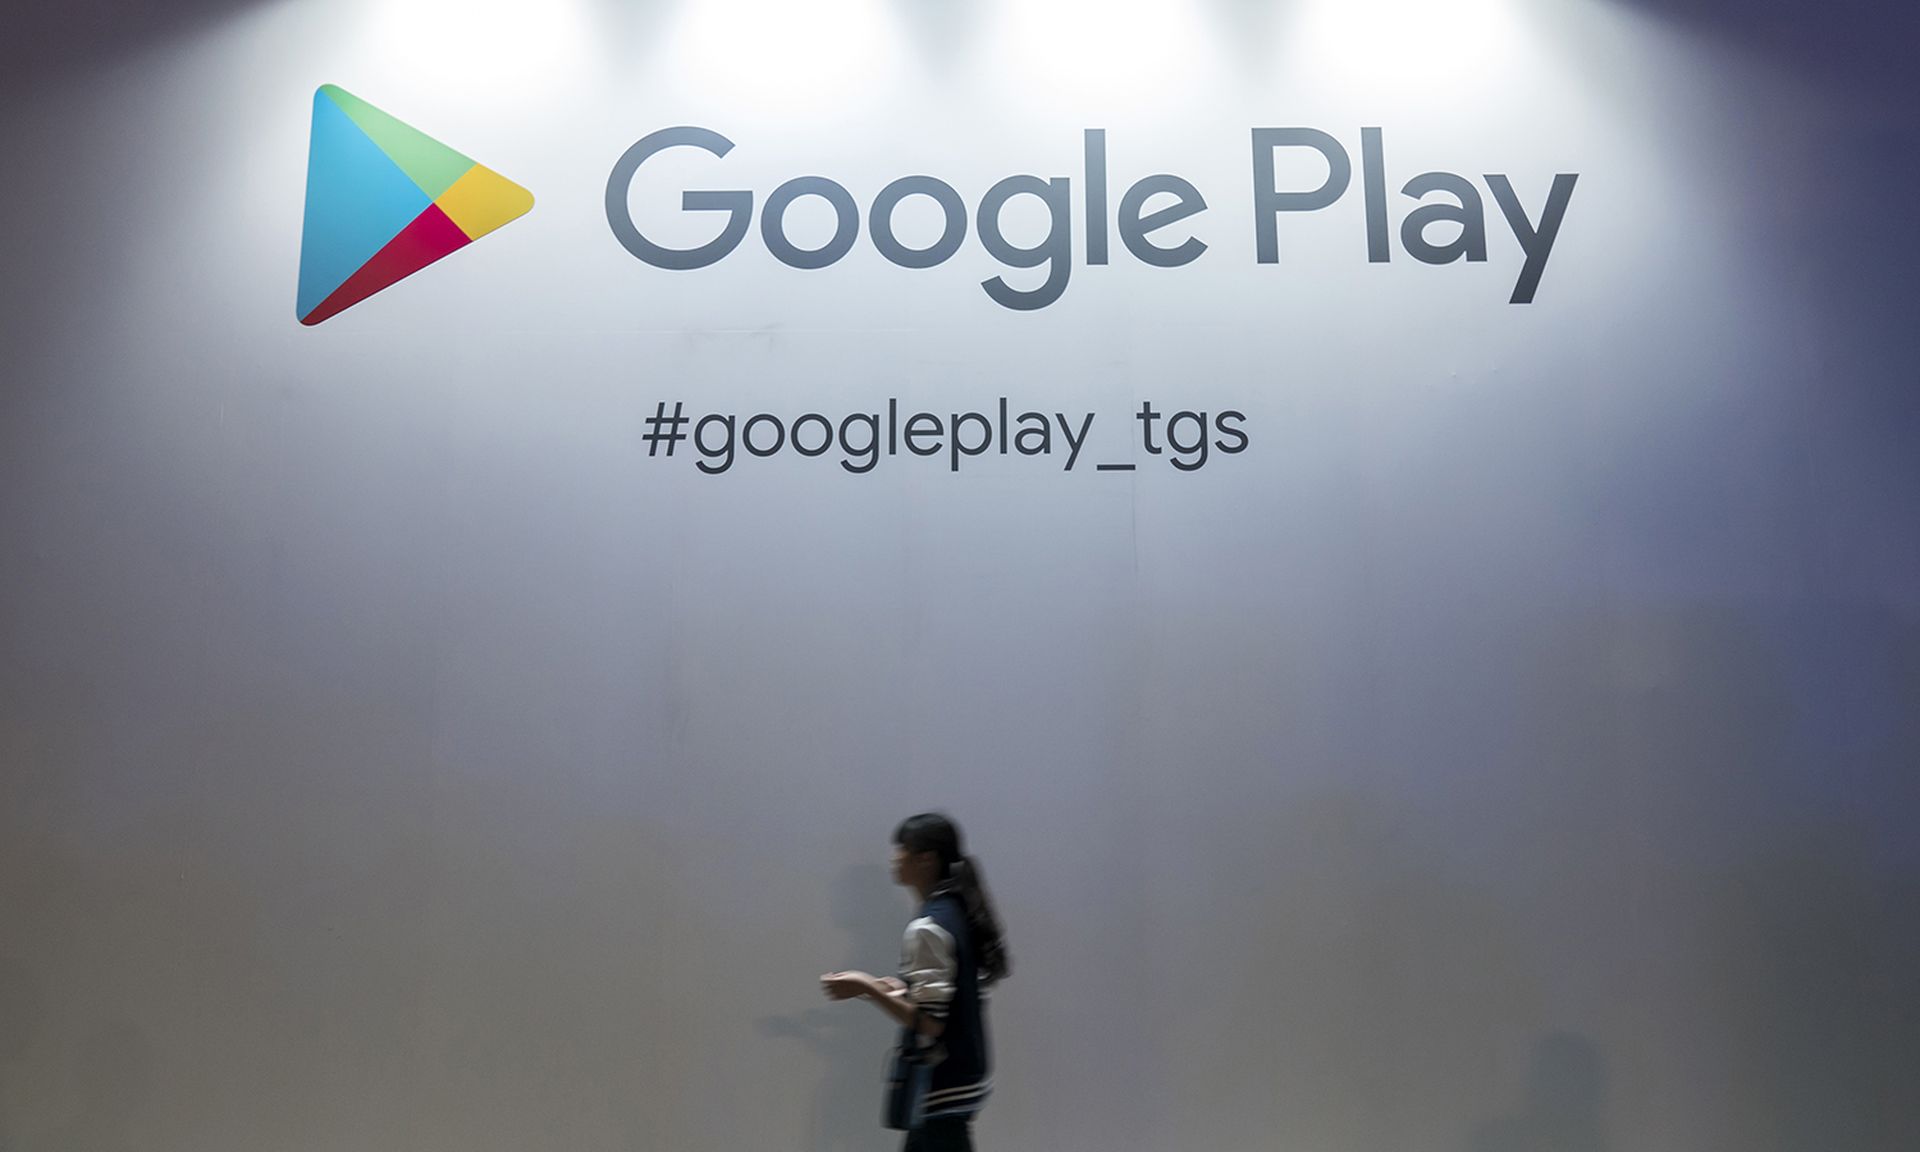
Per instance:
(850,985)
(887,994)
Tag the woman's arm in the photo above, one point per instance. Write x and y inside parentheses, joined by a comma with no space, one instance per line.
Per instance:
(889,994)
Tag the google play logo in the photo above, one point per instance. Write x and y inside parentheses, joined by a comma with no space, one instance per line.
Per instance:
(385,200)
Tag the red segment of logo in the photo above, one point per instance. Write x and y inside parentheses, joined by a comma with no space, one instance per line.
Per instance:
(432,235)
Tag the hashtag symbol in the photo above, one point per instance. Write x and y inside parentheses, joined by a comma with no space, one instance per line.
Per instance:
(672,425)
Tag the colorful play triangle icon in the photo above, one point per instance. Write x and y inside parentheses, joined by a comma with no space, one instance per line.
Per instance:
(385,200)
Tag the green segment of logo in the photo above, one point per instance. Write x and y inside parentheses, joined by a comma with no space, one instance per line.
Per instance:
(384,200)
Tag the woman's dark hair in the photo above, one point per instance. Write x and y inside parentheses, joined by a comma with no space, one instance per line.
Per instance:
(932,832)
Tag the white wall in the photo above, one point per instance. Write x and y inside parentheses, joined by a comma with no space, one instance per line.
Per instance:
(1509,750)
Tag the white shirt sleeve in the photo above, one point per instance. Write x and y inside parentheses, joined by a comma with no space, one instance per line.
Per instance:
(928,966)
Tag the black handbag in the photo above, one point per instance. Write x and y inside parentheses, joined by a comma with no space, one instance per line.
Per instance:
(909,1073)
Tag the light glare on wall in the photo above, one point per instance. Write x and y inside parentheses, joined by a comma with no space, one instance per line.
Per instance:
(783,58)
(1095,53)
(474,44)
(1401,44)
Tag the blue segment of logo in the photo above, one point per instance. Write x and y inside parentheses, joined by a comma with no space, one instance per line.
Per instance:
(357,200)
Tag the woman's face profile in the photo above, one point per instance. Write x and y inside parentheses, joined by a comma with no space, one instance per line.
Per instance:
(910,868)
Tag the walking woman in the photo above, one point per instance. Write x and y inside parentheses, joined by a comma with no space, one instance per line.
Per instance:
(952,951)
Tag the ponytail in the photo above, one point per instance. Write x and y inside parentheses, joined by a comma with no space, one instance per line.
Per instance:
(983,926)
(931,832)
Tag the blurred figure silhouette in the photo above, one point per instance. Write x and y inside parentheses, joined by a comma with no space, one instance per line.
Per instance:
(941,1072)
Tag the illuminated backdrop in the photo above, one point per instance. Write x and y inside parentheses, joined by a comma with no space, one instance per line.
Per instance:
(1505,744)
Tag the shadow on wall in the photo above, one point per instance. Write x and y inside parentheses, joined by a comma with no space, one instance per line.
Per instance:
(47,38)
(1402,981)
(1849,40)
(52,37)
(849,1041)
(1565,1096)
(1781,893)
(19,1020)
(1819,983)
(1857,252)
